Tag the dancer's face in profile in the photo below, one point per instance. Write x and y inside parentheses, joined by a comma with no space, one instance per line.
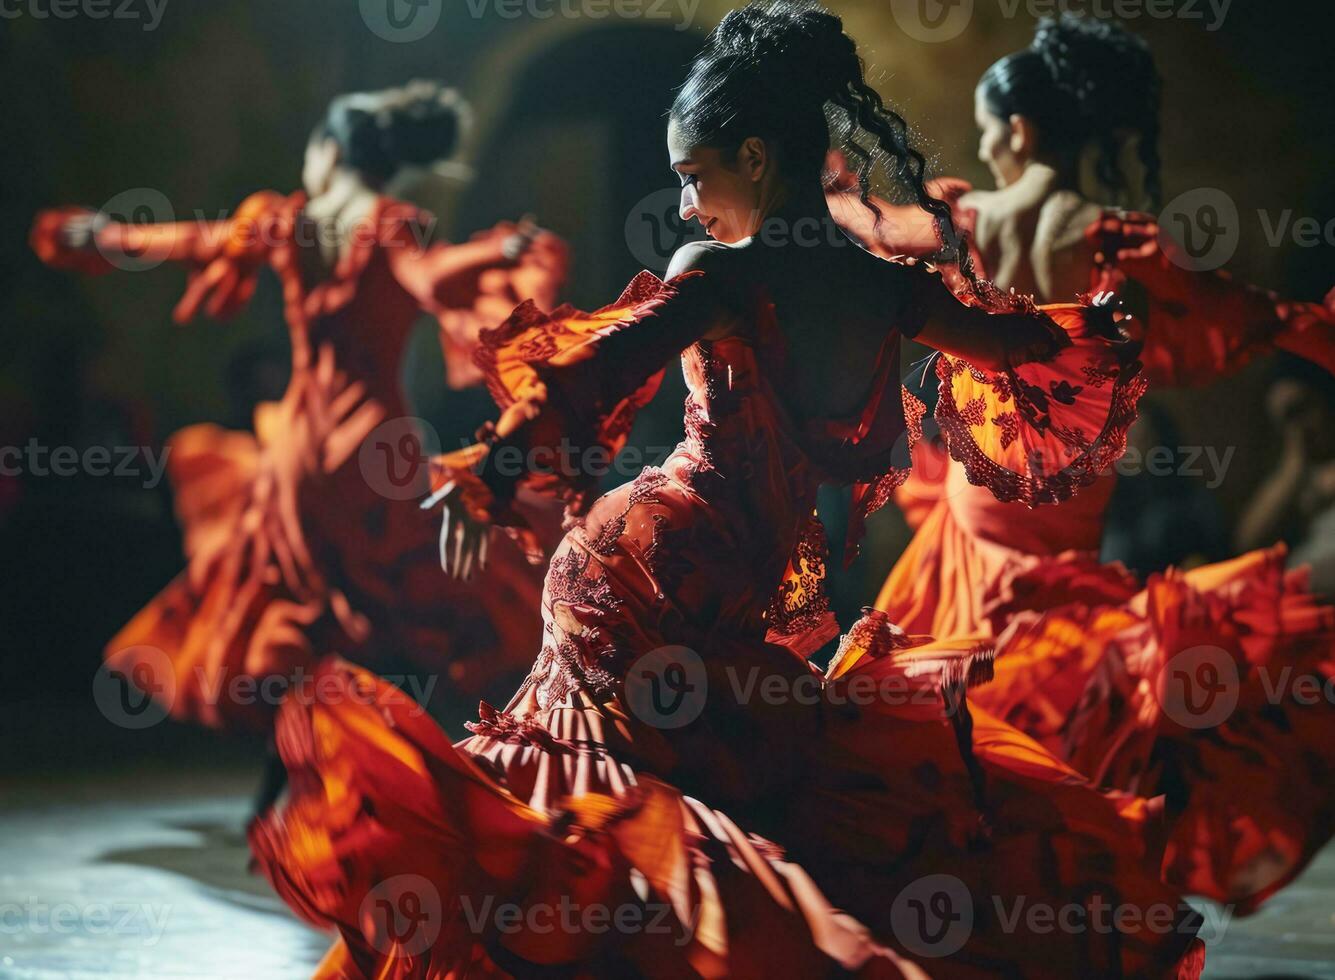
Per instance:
(723,195)
(321,160)
(1003,144)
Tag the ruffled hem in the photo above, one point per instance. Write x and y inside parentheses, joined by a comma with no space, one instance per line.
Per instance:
(1039,432)
(426,861)
(382,807)
(1193,688)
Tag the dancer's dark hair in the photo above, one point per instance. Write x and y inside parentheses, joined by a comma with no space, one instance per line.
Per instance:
(1083,80)
(380,133)
(784,71)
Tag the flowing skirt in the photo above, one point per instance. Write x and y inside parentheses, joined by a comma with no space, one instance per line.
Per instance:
(668,795)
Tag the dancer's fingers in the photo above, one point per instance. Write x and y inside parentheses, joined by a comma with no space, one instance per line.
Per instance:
(445,541)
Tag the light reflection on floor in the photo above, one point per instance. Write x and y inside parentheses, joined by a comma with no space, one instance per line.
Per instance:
(127,880)
(142,888)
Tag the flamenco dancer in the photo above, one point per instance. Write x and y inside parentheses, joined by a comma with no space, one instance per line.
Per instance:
(771,834)
(1090,662)
(296,550)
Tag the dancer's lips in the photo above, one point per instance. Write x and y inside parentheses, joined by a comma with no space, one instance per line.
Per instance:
(709,226)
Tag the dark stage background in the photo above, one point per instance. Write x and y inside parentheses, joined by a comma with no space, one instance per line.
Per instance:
(217,100)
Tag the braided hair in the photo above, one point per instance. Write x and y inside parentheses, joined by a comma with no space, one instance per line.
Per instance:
(785,71)
(1084,81)
(380,133)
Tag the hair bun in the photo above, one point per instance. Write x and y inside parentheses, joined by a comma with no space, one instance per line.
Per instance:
(1107,72)
(380,133)
(797,44)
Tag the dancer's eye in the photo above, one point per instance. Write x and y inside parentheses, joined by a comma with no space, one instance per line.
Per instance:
(688,179)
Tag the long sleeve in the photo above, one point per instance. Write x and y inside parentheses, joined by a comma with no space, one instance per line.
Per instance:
(1034,429)
(576,380)
(1200,326)
(223,257)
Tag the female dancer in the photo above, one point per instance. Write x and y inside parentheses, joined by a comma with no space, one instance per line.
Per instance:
(306,539)
(598,794)
(1089,664)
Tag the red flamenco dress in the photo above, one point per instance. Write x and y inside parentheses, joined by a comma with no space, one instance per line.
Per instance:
(1091,662)
(728,835)
(297,545)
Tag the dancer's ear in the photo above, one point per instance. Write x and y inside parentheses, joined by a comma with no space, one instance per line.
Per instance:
(1023,140)
(753,159)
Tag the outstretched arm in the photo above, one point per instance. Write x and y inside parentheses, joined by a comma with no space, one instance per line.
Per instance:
(224,256)
(987,339)
(1201,325)
(1034,401)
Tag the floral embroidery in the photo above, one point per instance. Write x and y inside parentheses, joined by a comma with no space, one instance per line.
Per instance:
(974,412)
(800,604)
(1009,423)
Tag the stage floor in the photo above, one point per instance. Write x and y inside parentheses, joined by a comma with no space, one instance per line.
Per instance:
(146,877)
